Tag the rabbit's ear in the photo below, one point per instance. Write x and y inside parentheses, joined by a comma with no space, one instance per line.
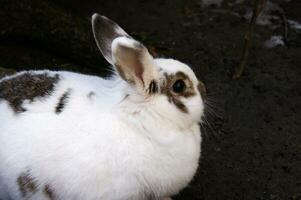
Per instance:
(131,59)
(134,64)
(105,31)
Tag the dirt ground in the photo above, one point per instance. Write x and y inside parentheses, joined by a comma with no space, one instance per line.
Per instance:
(252,141)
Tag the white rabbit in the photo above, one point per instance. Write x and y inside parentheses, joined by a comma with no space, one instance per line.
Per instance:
(133,136)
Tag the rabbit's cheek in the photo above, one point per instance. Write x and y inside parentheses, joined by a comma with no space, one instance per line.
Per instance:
(27,86)
(195,106)
(176,100)
(178,103)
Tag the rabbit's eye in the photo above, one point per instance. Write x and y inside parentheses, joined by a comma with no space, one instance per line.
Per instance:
(179,86)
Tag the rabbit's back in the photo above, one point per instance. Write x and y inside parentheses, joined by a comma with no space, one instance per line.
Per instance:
(61,138)
(50,128)
(70,136)
(53,92)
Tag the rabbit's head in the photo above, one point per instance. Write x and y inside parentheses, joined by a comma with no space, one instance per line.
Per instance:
(169,83)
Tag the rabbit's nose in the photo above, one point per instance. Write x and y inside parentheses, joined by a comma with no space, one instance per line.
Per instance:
(202,89)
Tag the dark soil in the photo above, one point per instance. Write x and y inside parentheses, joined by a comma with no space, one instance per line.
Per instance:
(252,147)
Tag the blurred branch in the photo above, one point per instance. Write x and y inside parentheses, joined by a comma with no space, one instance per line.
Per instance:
(285,26)
(258,7)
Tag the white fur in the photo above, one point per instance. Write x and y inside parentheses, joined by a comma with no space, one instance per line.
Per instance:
(123,41)
(103,148)
(116,144)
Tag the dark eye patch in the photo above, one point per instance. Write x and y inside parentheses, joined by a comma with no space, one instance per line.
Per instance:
(179,84)
(176,86)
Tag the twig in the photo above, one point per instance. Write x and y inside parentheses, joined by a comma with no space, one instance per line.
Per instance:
(285,26)
(258,7)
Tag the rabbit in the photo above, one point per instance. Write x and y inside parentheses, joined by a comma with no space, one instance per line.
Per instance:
(132,136)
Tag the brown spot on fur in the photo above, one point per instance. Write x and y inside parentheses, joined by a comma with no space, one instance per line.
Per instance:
(26,86)
(171,79)
(91,95)
(202,89)
(26,184)
(179,104)
(125,97)
(48,191)
(136,113)
(189,85)
(62,102)
(175,97)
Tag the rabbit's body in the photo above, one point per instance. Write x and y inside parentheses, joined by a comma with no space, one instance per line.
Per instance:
(134,136)
(70,153)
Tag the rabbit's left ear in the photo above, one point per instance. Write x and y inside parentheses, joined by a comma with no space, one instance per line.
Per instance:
(131,59)
(105,31)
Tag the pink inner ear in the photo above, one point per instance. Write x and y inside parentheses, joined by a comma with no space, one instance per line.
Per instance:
(139,69)
(129,62)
